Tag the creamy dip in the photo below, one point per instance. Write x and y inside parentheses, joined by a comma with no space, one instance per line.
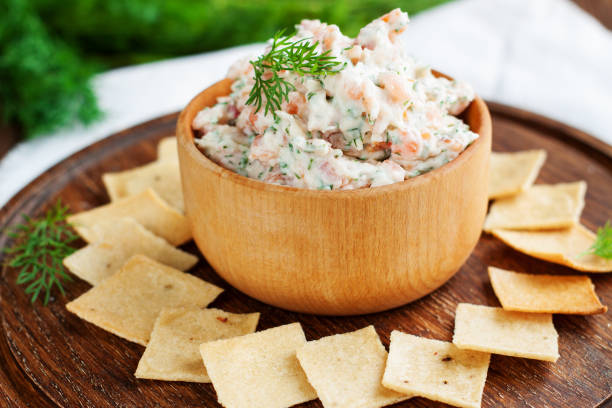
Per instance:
(383,118)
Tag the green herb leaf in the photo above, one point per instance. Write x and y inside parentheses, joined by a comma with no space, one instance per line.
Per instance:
(298,56)
(39,248)
(603,243)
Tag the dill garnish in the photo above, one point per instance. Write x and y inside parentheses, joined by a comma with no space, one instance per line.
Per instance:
(39,247)
(298,56)
(603,243)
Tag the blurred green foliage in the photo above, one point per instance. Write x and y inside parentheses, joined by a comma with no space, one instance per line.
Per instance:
(44,60)
(43,82)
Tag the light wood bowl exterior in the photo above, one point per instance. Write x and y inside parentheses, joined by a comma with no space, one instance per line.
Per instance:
(335,252)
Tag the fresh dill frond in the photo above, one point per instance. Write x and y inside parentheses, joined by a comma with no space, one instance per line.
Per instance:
(298,56)
(40,246)
(603,243)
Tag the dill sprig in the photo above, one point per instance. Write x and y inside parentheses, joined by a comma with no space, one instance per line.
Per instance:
(603,243)
(40,245)
(298,56)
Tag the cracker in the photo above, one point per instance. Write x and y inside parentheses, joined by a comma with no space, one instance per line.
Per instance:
(495,330)
(173,353)
(258,370)
(346,370)
(513,173)
(564,294)
(543,206)
(128,302)
(566,247)
(118,240)
(436,369)
(167,149)
(163,177)
(146,208)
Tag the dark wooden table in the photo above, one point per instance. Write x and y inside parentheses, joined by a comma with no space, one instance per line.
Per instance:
(50,358)
(600,9)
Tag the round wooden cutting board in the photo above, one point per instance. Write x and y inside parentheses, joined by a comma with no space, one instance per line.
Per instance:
(51,358)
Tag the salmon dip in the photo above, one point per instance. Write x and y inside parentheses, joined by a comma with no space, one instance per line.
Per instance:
(379,118)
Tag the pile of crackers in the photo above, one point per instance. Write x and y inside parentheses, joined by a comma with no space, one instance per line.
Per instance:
(541,220)
(141,293)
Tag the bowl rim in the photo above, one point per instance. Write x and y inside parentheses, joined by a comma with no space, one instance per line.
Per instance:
(186,139)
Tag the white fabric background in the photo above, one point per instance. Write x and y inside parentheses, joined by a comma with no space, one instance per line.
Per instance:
(547,56)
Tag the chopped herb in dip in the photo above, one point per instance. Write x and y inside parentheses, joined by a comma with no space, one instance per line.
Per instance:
(320,110)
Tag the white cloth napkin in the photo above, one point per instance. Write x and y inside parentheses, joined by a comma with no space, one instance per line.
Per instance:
(547,56)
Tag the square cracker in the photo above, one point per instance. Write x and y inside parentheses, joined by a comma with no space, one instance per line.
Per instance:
(495,330)
(146,208)
(163,177)
(346,370)
(173,353)
(167,149)
(543,206)
(436,369)
(565,294)
(512,173)
(566,247)
(128,302)
(118,240)
(258,370)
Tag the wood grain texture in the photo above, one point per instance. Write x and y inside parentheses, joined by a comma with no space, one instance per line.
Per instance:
(50,358)
(335,252)
(600,9)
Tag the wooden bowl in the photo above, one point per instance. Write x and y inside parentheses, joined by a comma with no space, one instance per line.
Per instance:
(335,252)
